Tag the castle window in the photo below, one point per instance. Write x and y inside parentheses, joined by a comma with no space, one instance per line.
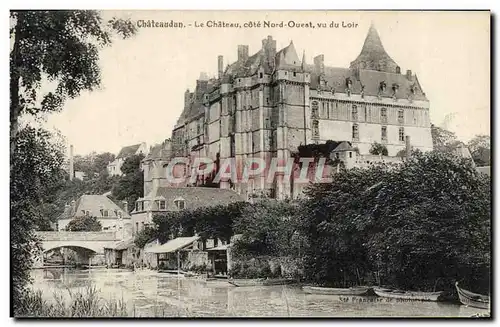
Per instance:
(314,109)
(384,133)
(323,114)
(315,130)
(294,73)
(337,155)
(401,116)
(261,75)
(355,132)
(105,213)
(401,134)
(383,115)
(354,113)
(232,146)
(328,110)
(350,154)
(267,100)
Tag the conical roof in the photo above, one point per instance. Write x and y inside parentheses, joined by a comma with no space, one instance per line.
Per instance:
(373,55)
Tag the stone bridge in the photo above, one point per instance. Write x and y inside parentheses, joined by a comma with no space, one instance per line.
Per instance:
(86,244)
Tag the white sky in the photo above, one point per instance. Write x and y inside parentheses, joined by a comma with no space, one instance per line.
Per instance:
(144,78)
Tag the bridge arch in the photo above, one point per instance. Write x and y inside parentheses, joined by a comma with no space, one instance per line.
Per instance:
(70,246)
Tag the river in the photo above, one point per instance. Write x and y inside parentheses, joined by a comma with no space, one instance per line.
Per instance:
(148,294)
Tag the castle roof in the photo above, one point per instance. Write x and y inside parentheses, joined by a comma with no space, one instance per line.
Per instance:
(373,55)
(93,203)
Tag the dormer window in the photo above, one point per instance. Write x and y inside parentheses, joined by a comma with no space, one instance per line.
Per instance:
(105,213)
(395,88)
(87,213)
(382,87)
(348,83)
(161,205)
(180,204)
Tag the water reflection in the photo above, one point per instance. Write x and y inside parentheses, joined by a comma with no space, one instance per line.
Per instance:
(154,294)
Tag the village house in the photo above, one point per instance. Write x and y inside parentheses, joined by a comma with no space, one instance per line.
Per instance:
(114,167)
(108,213)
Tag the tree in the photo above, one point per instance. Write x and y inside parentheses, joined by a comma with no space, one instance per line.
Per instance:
(84,224)
(130,186)
(35,167)
(61,47)
(420,226)
(379,149)
(480,149)
(443,140)
(267,228)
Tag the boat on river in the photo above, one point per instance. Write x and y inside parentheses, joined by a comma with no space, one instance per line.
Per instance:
(260,282)
(360,290)
(408,295)
(473,299)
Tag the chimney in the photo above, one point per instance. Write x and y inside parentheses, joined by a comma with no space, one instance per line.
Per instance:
(187,98)
(408,146)
(408,75)
(71,168)
(242,52)
(220,62)
(269,47)
(319,64)
(125,207)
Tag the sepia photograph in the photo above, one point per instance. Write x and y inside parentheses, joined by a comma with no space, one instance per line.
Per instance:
(250,164)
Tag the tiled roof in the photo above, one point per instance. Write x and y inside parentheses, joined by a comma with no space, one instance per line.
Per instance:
(336,79)
(344,146)
(160,151)
(94,204)
(122,245)
(128,151)
(373,55)
(173,245)
(195,197)
(287,57)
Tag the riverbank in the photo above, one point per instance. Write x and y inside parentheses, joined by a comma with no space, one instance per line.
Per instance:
(150,294)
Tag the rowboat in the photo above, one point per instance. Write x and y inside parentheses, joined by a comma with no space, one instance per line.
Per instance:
(260,282)
(408,295)
(472,299)
(361,290)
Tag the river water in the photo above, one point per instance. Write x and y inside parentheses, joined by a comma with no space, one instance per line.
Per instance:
(149,294)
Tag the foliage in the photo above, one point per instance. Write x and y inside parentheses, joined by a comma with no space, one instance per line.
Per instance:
(34,171)
(443,140)
(60,47)
(93,164)
(84,224)
(144,236)
(130,186)
(421,226)
(480,149)
(267,228)
(208,222)
(379,149)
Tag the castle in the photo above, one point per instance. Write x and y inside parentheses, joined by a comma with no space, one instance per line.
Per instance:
(268,104)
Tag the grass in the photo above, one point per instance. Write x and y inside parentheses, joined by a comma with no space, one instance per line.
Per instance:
(84,304)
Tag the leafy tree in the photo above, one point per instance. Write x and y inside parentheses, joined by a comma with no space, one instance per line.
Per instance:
(35,165)
(421,226)
(379,149)
(480,149)
(443,140)
(61,47)
(144,236)
(84,224)
(130,186)
(267,228)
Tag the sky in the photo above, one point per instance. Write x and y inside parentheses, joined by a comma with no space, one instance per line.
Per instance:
(144,78)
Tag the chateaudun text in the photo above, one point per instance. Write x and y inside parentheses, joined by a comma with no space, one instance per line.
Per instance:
(248,24)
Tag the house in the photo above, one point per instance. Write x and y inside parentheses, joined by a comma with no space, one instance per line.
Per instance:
(108,213)
(114,167)
(181,253)
(122,253)
(163,199)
